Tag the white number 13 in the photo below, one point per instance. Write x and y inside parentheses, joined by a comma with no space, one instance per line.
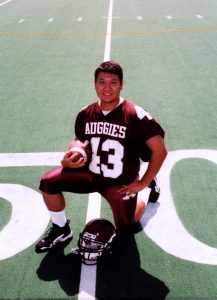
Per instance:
(114,159)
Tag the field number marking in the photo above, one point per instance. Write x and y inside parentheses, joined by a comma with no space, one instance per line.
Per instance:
(165,229)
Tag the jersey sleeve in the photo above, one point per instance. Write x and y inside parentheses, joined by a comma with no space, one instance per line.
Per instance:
(148,128)
(152,128)
(79,126)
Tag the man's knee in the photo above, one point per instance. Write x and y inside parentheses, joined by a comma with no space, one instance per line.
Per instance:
(44,185)
(48,183)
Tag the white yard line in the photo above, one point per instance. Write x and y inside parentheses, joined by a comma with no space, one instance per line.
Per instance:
(3,3)
(87,288)
(108,33)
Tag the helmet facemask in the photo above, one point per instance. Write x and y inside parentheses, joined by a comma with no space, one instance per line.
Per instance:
(93,245)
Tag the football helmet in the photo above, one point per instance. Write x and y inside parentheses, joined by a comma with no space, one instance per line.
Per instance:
(95,240)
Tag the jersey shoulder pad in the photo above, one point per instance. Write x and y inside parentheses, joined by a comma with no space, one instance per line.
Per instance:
(141,113)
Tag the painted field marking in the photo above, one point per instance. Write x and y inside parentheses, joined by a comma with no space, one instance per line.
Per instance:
(108,33)
(112,17)
(3,3)
(28,220)
(166,229)
(30,159)
(80,35)
(87,288)
(21,21)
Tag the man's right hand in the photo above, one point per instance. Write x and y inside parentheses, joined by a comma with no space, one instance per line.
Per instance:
(70,160)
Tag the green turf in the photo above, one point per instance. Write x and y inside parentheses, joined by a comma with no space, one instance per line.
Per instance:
(5,212)
(47,76)
(196,207)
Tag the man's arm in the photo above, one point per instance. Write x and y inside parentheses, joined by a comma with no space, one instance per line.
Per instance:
(159,153)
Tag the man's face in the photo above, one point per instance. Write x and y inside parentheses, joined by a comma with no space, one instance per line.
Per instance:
(108,88)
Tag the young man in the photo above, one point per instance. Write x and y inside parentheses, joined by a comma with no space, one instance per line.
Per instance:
(120,133)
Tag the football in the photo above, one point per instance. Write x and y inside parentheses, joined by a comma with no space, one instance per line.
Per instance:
(82,149)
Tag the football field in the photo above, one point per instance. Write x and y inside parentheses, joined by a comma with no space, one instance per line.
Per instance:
(49,50)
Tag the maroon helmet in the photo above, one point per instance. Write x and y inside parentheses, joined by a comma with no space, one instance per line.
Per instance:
(95,240)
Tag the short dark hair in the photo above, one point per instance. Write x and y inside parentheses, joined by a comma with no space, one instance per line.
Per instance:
(109,67)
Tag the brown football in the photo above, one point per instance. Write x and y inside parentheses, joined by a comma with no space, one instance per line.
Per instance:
(82,149)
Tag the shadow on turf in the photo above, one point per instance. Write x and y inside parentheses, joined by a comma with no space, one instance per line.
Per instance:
(65,268)
(118,276)
(121,276)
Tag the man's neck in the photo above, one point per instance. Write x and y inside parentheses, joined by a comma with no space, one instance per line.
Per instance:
(107,108)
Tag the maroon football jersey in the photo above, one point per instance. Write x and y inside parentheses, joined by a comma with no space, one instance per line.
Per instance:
(118,139)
